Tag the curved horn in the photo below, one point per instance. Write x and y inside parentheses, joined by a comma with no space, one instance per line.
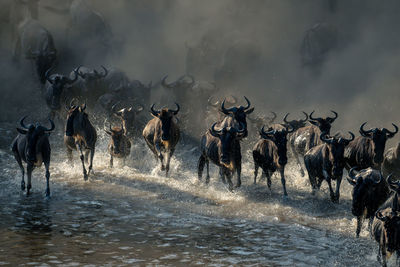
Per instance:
(21,122)
(214,131)
(113,108)
(248,103)
(289,131)
(393,184)
(154,112)
(362,131)
(351,178)
(314,119)
(333,119)
(46,75)
(263,133)
(177,109)
(380,216)
(225,110)
(391,134)
(323,138)
(305,118)
(164,83)
(285,118)
(351,138)
(101,75)
(76,72)
(71,104)
(52,126)
(271,120)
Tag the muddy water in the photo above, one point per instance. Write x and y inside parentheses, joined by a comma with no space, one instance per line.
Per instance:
(132,215)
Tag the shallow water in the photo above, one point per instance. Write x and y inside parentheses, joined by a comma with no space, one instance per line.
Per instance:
(135,216)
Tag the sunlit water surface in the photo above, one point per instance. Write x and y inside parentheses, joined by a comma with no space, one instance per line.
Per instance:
(133,215)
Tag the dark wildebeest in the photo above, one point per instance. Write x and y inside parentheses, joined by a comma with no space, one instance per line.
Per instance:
(181,87)
(128,118)
(236,118)
(119,145)
(261,120)
(220,147)
(56,86)
(391,161)
(270,153)
(295,124)
(162,134)
(79,132)
(326,162)
(386,231)
(370,191)
(305,138)
(213,111)
(33,147)
(36,43)
(367,150)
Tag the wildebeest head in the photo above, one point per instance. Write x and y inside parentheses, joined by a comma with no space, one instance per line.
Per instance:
(165,115)
(259,121)
(391,225)
(295,124)
(323,124)
(239,113)
(57,84)
(379,138)
(336,147)
(44,60)
(74,112)
(33,133)
(116,134)
(362,188)
(127,115)
(279,137)
(180,85)
(93,75)
(226,135)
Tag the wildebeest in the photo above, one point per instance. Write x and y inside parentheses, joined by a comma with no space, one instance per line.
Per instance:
(386,231)
(128,118)
(119,145)
(181,87)
(90,84)
(261,120)
(370,191)
(162,134)
(36,43)
(326,162)
(367,150)
(33,147)
(305,138)
(295,124)
(391,161)
(79,132)
(270,153)
(220,146)
(56,86)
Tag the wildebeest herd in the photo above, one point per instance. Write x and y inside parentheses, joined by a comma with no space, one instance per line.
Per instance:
(371,172)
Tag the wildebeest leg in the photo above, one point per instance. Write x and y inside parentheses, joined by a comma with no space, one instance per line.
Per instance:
(313,182)
(332,194)
(160,155)
(337,193)
(238,172)
(18,159)
(296,156)
(85,176)
(29,170)
(283,180)
(91,160)
(69,155)
(150,145)
(200,166)
(87,157)
(359,225)
(383,252)
(208,171)
(47,165)
(169,155)
(111,161)
(256,166)
(228,175)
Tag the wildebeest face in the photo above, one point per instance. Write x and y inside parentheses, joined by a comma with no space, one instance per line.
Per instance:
(33,133)
(227,136)
(323,124)
(166,116)
(116,134)
(74,112)
(336,146)
(279,137)
(379,138)
(295,124)
(239,113)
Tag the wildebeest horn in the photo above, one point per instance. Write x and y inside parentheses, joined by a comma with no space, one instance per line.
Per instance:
(164,83)
(379,216)
(102,75)
(46,75)
(289,131)
(311,117)
(214,131)
(305,118)
(21,122)
(209,102)
(113,108)
(333,119)
(177,109)
(285,118)
(248,103)
(52,126)
(271,120)
(351,178)
(391,134)
(140,108)
(364,132)
(326,140)
(351,138)
(263,133)
(154,112)
(71,104)
(76,72)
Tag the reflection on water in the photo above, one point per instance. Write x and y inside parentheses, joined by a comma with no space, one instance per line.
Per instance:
(124,217)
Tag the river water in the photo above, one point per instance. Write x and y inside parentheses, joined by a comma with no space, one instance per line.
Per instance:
(133,215)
